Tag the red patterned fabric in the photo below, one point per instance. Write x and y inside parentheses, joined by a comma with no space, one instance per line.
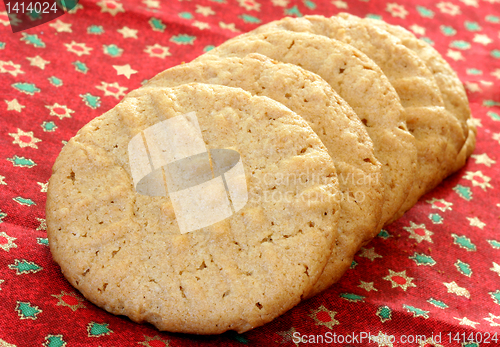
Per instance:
(436,271)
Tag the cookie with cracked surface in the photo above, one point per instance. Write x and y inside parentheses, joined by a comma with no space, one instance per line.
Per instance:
(125,251)
(452,89)
(330,117)
(360,82)
(439,135)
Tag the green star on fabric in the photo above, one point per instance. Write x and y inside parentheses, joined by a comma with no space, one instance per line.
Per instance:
(250,19)
(495,296)
(425,12)
(2,45)
(463,242)
(493,115)
(27,88)
(26,311)
(493,19)
(33,40)
(472,26)
(49,126)
(463,192)
(384,234)
(309,4)
(80,67)
(2,216)
(21,161)
(183,39)
(353,264)
(23,267)
(112,50)
(437,303)
(384,313)
(294,11)
(91,100)
(352,297)
(494,244)
(24,201)
(436,218)
(157,24)
(490,103)
(95,329)
(422,259)
(447,30)
(95,30)
(474,72)
(54,341)
(186,15)
(55,81)
(463,268)
(495,53)
(460,44)
(417,312)
(42,241)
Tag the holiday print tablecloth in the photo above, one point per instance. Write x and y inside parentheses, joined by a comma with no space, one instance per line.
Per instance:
(433,273)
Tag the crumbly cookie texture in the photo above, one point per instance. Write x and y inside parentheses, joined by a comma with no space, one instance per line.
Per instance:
(438,145)
(124,252)
(361,83)
(332,119)
(452,89)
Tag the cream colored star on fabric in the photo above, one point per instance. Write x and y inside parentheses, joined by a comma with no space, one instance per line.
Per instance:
(230,26)
(14,105)
(419,232)
(38,62)
(128,32)
(43,224)
(369,253)
(204,10)
(496,268)
(396,10)
(483,159)
(78,48)
(473,3)
(455,55)
(111,7)
(492,319)
(496,73)
(249,5)
(60,111)
(61,27)
(157,51)
(125,70)
(280,3)
(399,279)
(24,139)
(496,137)
(43,186)
(2,182)
(472,87)
(368,286)
(10,242)
(417,29)
(475,222)
(201,25)
(449,8)
(466,321)
(151,3)
(2,281)
(456,289)
(478,179)
(340,4)
(482,39)
(10,68)
(112,89)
